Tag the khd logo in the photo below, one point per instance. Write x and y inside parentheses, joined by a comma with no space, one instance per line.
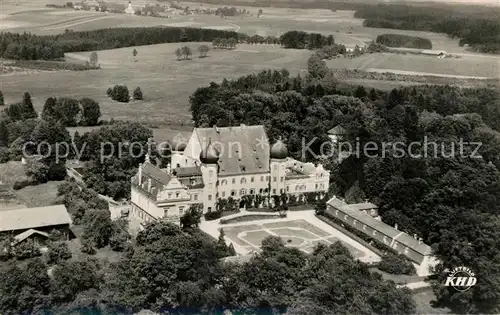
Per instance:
(461,279)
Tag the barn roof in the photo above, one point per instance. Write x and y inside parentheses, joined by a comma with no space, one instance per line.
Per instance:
(29,218)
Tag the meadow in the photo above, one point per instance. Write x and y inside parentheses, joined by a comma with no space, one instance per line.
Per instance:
(274,21)
(467,65)
(166,82)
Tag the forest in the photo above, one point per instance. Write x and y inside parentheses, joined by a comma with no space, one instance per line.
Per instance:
(478,27)
(52,47)
(405,41)
(301,40)
(450,200)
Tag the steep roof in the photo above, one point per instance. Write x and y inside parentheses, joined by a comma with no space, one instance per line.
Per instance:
(187,171)
(159,177)
(337,130)
(243,149)
(27,234)
(379,226)
(29,218)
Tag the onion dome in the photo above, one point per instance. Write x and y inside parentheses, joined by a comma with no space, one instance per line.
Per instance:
(209,155)
(178,144)
(279,150)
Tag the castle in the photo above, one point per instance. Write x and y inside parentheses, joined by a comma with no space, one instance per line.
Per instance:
(221,163)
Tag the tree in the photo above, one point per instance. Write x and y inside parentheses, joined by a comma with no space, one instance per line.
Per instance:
(192,217)
(91,112)
(134,52)
(316,67)
(138,94)
(231,43)
(259,13)
(178,53)
(94,59)
(57,251)
(203,50)
(120,93)
(186,52)
(37,171)
(98,227)
(2,102)
(49,110)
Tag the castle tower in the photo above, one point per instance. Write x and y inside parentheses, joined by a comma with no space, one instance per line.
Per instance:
(278,154)
(209,158)
(177,146)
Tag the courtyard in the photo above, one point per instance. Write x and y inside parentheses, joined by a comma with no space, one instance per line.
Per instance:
(301,229)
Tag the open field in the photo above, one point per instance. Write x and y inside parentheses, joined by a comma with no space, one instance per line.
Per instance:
(33,16)
(166,82)
(420,64)
(38,196)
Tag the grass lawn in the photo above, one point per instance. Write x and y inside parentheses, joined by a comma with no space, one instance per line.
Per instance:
(166,82)
(38,196)
(465,66)
(11,172)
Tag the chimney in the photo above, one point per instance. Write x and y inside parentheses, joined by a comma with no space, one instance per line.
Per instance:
(415,236)
(216,129)
(396,226)
(169,169)
(420,240)
(139,174)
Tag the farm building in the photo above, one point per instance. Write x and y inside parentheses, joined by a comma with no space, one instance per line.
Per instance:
(35,223)
(436,53)
(400,242)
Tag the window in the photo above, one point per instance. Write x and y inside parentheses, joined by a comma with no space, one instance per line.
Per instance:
(243,181)
(181,211)
(209,197)
(177,194)
(297,188)
(275,167)
(261,190)
(233,192)
(165,212)
(287,188)
(316,186)
(274,191)
(195,197)
(252,179)
(169,195)
(281,179)
(266,190)
(210,185)
(223,194)
(337,213)
(262,178)
(267,178)
(281,190)
(274,179)
(364,227)
(354,222)
(252,191)
(234,180)
(242,192)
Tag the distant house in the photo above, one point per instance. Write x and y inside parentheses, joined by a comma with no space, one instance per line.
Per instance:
(129,9)
(35,223)
(336,133)
(436,53)
(400,242)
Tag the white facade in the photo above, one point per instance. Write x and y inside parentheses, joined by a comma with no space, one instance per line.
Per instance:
(244,167)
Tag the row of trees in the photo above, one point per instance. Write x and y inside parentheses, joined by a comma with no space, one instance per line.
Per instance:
(223,43)
(303,40)
(71,112)
(406,41)
(278,280)
(52,47)
(426,196)
(476,26)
